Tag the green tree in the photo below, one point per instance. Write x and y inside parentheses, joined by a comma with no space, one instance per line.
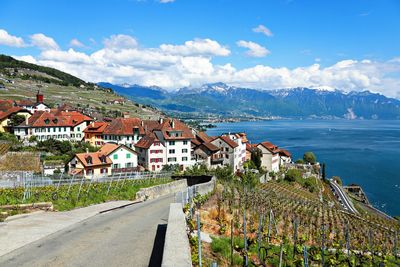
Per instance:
(323,171)
(309,157)
(256,155)
(249,179)
(224,173)
(16,119)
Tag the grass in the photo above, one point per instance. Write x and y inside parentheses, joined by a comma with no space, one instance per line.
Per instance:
(89,194)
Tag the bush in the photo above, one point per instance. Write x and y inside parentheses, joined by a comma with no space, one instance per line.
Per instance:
(337,180)
(299,161)
(293,175)
(309,157)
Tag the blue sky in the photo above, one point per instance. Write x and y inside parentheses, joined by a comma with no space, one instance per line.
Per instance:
(302,34)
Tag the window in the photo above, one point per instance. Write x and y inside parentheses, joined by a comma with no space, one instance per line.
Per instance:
(89,171)
(78,129)
(128,165)
(171,151)
(115,166)
(115,156)
(171,159)
(128,155)
(184,158)
(184,150)
(185,142)
(171,143)
(103,170)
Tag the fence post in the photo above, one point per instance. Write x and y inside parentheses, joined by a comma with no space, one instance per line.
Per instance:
(295,236)
(305,256)
(59,181)
(70,184)
(90,183)
(199,238)
(245,237)
(231,242)
(80,188)
(260,227)
(109,185)
(281,255)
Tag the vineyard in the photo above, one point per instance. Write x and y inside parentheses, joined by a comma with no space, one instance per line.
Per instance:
(4,147)
(285,222)
(20,161)
(70,196)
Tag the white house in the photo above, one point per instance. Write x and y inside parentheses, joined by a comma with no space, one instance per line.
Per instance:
(123,158)
(176,137)
(285,157)
(31,106)
(56,124)
(232,152)
(152,153)
(124,131)
(270,159)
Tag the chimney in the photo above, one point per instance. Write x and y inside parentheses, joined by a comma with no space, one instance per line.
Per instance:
(39,97)
(87,150)
(26,120)
(161,120)
(126,115)
(173,124)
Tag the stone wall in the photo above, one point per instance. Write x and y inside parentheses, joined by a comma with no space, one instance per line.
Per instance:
(161,190)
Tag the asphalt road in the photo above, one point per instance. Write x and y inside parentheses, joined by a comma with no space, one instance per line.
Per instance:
(131,236)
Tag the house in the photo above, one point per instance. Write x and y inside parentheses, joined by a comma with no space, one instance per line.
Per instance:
(56,124)
(233,153)
(124,131)
(270,159)
(176,137)
(124,159)
(152,154)
(249,149)
(6,115)
(94,133)
(204,152)
(32,106)
(90,165)
(284,156)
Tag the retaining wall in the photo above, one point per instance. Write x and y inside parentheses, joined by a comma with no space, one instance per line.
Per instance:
(176,246)
(161,190)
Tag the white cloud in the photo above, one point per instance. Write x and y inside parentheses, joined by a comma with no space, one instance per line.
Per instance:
(76,43)
(166,1)
(43,42)
(255,50)
(10,40)
(120,41)
(264,30)
(196,47)
(172,66)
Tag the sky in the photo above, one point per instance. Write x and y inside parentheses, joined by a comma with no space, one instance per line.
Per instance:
(351,45)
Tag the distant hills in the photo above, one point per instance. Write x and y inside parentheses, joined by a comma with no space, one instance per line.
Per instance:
(229,101)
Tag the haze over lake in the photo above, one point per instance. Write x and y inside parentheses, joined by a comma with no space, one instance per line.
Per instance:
(364,152)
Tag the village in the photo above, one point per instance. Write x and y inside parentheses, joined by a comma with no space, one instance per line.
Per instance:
(126,144)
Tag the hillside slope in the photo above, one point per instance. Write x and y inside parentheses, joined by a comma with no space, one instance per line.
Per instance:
(19,80)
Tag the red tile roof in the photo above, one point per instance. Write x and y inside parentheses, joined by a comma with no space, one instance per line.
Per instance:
(124,126)
(107,148)
(285,153)
(271,147)
(146,141)
(228,141)
(203,137)
(95,157)
(6,104)
(10,111)
(52,119)
(96,127)
(210,146)
(169,126)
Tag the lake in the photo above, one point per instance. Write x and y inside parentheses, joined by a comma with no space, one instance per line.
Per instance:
(364,152)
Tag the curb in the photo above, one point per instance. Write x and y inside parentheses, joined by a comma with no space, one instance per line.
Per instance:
(20,216)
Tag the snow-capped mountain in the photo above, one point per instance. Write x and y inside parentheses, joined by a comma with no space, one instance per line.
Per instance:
(226,100)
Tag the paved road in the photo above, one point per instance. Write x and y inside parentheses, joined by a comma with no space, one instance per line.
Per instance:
(346,201)
(123,237)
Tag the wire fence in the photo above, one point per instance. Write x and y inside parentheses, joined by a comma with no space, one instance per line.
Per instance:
(29,180)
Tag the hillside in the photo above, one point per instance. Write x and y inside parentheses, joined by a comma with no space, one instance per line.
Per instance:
(19,80)
(229,101)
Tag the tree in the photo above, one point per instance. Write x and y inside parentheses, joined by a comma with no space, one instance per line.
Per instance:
(16,120)
(256,155)
(224,174)
(249,164)
(249,179)
(323,171)
(309,157)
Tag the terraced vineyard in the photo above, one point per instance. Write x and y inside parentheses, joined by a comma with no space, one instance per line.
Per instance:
(4,147)
(286,214)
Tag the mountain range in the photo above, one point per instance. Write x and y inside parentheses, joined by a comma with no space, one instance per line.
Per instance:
(230,101)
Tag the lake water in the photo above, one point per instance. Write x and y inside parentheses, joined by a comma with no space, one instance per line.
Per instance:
(361,152)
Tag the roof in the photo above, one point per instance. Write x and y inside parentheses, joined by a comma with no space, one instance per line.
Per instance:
(25,102)
(109,148)
(151,125)
(95,157)
(10,111)
(228,141)
(55,118)
(124,126)
(6,104)
(203,137)
(249,146)
(271,147)
(168,126)
(210,146)
(96,127)
(285,153)
(146,141)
